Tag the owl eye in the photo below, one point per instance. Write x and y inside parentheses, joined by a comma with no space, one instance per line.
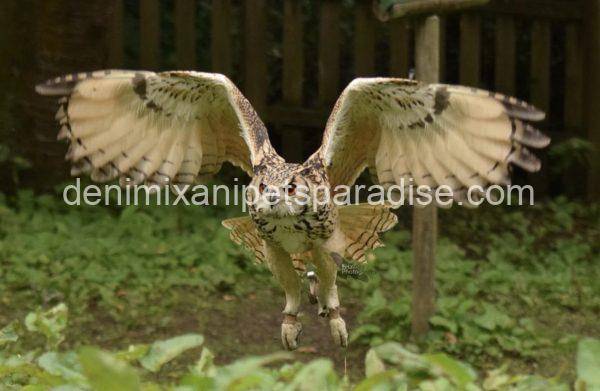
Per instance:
(291,189)
(261,187)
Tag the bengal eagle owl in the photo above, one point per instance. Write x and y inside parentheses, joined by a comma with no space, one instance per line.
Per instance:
(177,127)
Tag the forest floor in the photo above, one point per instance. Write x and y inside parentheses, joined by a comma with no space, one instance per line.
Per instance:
(515,286)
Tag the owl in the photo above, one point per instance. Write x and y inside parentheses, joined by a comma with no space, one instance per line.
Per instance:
(179,127)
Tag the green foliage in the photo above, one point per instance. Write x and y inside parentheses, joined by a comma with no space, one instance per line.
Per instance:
(588,364)
(570,152)
(388,366)
(497,278)
(164,351)
(115,258)
(12,162)
(50,323)
(517,288)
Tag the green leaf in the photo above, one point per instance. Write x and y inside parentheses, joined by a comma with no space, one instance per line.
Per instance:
(205,364)
(493,318)
(588,362)
(105,372)
(445,323)
(133,353)
(162,352)
(64,365)
(8,334)
(458,372)
(387,380)
(50,323)
(373,363)
(316,375)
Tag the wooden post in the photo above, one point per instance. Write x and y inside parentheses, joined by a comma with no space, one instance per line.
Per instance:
(540,91)
(506,54)
(293,74)
(592,92)
(220,48)
(400,35)
(185,33)
(428,59)
(115,36)
(470,50)
(364,40)
(150,34)
(255,54)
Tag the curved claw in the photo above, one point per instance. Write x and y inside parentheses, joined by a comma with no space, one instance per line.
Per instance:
(338,330)
(290,331)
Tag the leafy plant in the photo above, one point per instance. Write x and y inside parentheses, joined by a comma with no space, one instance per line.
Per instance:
(388,366)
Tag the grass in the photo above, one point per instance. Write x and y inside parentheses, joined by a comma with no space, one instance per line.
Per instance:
(516,286)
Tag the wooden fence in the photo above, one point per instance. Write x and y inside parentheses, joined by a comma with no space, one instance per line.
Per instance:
(523,42)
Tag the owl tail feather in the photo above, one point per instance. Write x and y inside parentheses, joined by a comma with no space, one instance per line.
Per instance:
(361,225)
(244,233)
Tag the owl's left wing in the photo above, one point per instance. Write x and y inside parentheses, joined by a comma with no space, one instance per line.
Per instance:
(157,128)
(408,133)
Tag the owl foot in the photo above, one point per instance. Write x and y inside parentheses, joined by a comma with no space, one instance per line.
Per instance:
(324,311)
(338,328)
(290,331)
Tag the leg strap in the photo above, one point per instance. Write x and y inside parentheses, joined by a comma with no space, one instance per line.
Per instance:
(290,319)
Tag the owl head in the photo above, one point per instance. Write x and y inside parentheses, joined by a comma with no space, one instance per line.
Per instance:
(286,189)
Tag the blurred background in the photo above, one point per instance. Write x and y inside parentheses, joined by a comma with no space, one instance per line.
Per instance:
(517,287)
(293,58)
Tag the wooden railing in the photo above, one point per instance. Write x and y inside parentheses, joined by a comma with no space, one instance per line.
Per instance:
(290,115)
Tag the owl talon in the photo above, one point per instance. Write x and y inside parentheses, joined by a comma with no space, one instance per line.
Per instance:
(324,311)
(290,331)
(338,329)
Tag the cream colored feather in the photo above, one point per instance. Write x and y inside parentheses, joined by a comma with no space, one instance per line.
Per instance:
(433,134)
(156,127)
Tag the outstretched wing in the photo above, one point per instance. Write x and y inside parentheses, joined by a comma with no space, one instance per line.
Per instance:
(157,128)
(415,134)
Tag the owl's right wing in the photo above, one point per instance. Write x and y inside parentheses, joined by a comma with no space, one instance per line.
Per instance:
(411,133)
(157,128)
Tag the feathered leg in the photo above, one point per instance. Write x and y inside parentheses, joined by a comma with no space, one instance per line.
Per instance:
(327,296)
(280,264)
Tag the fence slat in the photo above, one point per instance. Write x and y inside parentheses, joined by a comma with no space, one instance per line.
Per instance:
(592,92)
(255,53)
(220,47)
(185,33)
(293,53)
(150,34)
(429,51)
(540,89)
(293,74)
(470,50)
(364,40)
(329,51)
(574,102)
(115,36)
(573,105)
(540,64)
(400,35)
(505,56)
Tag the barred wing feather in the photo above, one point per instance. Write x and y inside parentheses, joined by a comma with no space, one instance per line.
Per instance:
(410,133)
(156,128)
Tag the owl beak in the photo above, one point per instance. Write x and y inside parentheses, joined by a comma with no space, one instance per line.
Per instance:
(272,199)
